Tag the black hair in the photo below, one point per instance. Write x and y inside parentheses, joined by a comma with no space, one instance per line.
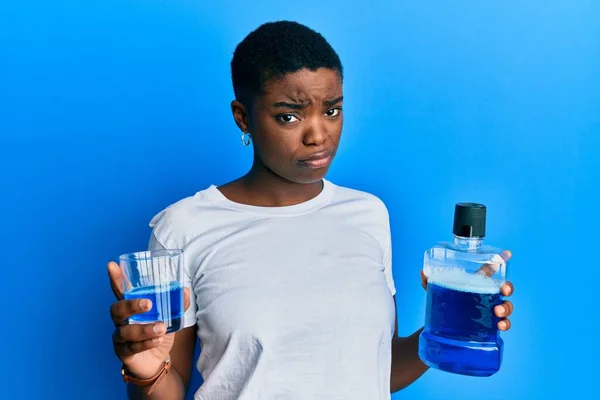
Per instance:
(275,49)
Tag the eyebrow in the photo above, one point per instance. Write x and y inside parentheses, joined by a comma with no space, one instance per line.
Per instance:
(333,102)
(294,106)
(300,106)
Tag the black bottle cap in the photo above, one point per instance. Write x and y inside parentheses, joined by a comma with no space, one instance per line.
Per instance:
(469,220)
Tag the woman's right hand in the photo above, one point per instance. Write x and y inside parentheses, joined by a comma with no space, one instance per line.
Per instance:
(142,348)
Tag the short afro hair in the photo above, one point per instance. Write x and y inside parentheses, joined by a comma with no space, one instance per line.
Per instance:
(275,49)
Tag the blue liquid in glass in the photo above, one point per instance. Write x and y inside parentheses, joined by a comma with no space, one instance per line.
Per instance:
(461,333)
(167,304)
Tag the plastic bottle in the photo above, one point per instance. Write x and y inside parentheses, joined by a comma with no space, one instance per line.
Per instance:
(464,280)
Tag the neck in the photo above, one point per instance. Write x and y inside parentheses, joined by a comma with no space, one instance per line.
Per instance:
(468,243)
(262,187)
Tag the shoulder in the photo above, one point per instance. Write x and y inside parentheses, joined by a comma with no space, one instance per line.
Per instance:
(361,201)
(365,211)
(366,199)
(178,211)
(171,225)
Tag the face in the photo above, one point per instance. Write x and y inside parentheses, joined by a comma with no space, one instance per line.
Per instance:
(296,124)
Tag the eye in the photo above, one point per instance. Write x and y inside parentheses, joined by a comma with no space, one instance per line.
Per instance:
(333,112)
(287,118)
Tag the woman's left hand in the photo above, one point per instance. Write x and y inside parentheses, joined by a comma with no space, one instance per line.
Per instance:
(502,311)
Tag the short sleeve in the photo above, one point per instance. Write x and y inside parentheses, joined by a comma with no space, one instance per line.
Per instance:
(387,268)
(387,249)
(189,318)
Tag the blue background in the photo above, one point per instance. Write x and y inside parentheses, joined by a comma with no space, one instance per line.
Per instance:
(111,110)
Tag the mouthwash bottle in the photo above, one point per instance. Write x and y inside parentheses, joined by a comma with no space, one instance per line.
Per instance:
(464,279)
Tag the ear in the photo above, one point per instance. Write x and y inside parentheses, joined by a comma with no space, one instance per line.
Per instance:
(240,115)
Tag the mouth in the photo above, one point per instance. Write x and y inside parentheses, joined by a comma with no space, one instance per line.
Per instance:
(317,160)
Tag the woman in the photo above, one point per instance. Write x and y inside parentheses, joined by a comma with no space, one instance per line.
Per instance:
(289,276)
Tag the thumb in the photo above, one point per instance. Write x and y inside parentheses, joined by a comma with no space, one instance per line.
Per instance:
(423,280)
(116,279)
(186,298)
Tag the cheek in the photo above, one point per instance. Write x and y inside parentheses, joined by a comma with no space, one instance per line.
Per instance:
(336,131)
(275,144)
(282,146)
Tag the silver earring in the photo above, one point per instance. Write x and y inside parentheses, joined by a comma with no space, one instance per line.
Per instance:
(246,139)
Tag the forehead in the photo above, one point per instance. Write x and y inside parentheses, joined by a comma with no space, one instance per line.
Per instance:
(305,85)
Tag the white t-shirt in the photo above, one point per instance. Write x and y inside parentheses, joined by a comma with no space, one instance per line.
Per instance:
(290,302)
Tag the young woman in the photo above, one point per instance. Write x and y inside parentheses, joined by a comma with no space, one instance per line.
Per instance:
(289,276)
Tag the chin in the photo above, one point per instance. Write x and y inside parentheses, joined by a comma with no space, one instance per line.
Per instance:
(307,179)
(301,176)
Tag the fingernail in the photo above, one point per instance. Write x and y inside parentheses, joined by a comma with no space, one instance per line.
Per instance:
(502,310)
(159,328)
(144,303)
(157,339)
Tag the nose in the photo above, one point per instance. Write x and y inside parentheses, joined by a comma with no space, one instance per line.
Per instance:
(315,133)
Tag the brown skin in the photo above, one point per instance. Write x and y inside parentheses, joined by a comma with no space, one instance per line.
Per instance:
(407,367)
(298,115)
(143,357)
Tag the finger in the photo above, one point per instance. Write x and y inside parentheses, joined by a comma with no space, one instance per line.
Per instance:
(130,348)
(116,279)
(121,310)
(504,310)
(504,324)
(506,255)
(507,289)
(490,269)
(423,280)
(138,332)
(509,308)
(186,298)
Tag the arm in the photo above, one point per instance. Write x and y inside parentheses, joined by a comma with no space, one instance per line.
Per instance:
(407,367)
(175,383)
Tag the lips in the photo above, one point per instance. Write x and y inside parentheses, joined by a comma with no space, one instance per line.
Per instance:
(317,160)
